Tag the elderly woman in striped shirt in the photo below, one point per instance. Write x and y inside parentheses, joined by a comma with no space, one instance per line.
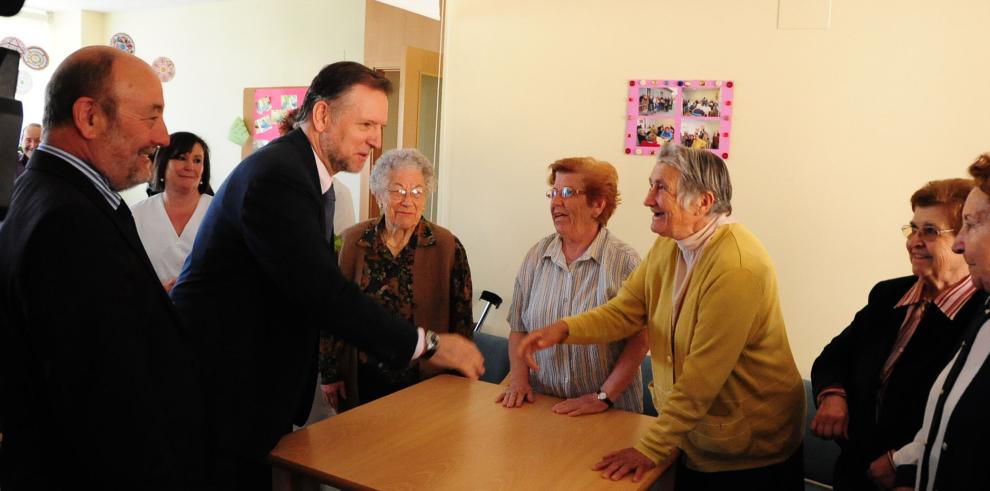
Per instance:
(578,267)
(872,380)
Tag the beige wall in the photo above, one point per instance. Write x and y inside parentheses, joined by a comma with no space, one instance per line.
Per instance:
(221,47)
(829,138)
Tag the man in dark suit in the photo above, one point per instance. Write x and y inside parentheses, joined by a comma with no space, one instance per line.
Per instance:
(262,278)
(99,388)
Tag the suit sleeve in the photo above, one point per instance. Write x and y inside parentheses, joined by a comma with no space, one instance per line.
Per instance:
(282,227)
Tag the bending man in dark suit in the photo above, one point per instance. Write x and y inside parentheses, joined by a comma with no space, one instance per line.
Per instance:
(262,278)
(99,387)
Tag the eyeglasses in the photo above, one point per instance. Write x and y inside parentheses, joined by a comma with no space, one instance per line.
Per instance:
(927,232)
(400,194)
(564,192)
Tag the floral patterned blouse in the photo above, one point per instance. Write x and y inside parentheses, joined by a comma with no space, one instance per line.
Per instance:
(388,279)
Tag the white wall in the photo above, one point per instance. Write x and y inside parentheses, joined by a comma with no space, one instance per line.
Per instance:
(219,48)
(222,47)
(830,137)
(34,29)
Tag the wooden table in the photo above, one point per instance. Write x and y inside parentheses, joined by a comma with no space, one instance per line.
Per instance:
(448,433)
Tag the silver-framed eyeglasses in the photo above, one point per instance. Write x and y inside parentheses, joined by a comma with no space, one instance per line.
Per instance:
(564,192)
(400,194)
(926,232)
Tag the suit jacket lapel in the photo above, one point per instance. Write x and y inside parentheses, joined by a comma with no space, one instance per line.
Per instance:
(306,159)
(52,164)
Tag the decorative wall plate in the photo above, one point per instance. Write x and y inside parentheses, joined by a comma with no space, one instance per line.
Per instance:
(35,57)
(123,42)
(164,68)
(11,42)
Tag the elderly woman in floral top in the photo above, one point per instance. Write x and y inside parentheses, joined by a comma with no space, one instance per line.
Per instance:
(414,268)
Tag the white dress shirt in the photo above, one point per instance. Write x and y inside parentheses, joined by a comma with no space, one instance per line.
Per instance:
(165,248)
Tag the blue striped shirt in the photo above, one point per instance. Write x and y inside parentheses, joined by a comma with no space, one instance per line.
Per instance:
(548,289)
(100,182)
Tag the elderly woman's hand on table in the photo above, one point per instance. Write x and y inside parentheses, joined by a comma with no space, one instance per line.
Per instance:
(617,464)
(516,394)
(576,406)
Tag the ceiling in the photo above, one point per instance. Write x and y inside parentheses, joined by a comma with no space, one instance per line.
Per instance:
(429,8)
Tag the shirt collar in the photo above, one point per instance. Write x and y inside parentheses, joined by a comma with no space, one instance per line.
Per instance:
(326,180)
(94,176)
(594,251)
(950,301)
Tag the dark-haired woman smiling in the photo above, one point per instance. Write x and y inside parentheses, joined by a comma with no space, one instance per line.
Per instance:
(168,220)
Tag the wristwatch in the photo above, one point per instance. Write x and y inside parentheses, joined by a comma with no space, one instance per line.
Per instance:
(602,396)
(432,343)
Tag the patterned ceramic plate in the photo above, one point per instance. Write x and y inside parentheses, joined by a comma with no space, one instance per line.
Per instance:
(164,68)
(24,81)
(35,57)
(11,42)
(123,42)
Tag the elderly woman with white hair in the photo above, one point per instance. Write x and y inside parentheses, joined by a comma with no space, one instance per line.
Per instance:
(414,268)
(730,398)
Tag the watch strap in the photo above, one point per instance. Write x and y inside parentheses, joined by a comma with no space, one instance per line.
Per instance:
(432,341)
(602,396)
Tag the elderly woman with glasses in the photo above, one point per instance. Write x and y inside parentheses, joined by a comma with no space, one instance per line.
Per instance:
(578,267)
(414,268)
(730,398)
(872,380)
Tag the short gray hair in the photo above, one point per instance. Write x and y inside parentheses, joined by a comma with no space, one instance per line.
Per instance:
(701,171)
(400,158)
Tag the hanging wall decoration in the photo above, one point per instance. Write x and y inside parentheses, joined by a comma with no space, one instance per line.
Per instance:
(123,42)
(693,113)
(164,68)
(35,57)
(11,42)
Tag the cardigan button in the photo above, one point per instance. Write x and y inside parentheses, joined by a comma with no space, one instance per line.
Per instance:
(945,446)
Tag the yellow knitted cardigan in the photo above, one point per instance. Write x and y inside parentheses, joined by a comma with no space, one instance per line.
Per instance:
(724,380)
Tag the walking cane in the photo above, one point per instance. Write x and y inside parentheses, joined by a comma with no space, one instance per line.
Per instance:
(492,299)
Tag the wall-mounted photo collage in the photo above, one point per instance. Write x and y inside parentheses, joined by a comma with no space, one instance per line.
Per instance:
(693,113)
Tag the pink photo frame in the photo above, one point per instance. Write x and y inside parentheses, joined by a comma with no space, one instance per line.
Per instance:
(693,113)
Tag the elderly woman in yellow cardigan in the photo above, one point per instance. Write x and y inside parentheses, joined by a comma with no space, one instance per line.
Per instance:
(730,398)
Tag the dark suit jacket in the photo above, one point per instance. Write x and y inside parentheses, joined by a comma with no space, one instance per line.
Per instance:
(855,358)
(100,386)
(259,284)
